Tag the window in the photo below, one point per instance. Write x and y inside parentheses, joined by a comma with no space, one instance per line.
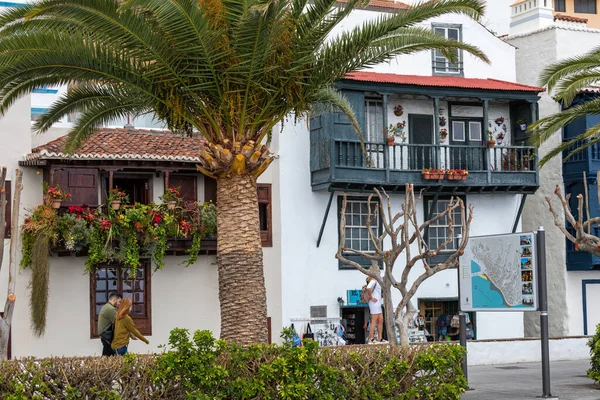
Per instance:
(37,112)
(585,6)
(7,210)
(357,233)
(559,6)
(264,207)
(441,65)
(264,210)
(81,183)
(458,131)
(137,188)
(187,185)
(475,131)
(115,278)
(374,120)
(438,231)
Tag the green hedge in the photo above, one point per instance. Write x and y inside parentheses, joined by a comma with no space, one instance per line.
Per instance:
(204,368)
(594,345)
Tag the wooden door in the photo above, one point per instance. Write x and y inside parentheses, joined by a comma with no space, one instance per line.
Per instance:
(421,155)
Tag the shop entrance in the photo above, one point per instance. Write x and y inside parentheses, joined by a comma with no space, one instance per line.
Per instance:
(432,309)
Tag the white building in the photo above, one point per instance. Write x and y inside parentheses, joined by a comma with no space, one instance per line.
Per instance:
(317,165)
(543,39)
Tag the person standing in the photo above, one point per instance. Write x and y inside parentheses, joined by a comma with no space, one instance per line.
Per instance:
(106,318)
(375,308)
(124,328)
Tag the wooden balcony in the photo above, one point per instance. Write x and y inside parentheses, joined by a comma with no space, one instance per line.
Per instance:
(338,164)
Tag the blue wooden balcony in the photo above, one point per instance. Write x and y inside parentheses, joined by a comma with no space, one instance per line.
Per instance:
(339,164)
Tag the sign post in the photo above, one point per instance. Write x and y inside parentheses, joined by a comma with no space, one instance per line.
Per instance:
(543,305)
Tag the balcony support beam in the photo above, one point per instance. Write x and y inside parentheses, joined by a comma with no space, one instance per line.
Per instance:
(486,123)
(436,121)
(519,212)
(325,218)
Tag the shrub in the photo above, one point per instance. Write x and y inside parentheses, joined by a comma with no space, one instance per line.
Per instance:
(201,367)
(594,345)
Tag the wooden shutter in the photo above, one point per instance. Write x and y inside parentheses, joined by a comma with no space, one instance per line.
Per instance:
(81,183)
(210,189)
(264,207)
(187,185)
(7,210)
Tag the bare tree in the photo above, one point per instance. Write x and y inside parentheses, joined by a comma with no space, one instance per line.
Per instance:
(9,306)
(581,233)
(401,231)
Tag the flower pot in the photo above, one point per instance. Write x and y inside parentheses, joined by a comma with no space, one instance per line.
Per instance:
(463,177)
(390,140)
(398,113)
(56,203)
(171,205)
(491,143)
(115,205)
(523,127)
(427,176)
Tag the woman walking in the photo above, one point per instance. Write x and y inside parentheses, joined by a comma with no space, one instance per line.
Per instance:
(124,328)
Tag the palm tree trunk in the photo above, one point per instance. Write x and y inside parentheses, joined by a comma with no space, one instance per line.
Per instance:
(242,292)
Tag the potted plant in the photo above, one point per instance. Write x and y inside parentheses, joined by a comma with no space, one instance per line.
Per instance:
(443,135)
(55,195)
(500,138)
(528,157)
(426,173)
(170,197)
(398,130)
(491,142)
(116,197)
(442,121)
(398,110)
(499,121)
(522,124)
(433,174)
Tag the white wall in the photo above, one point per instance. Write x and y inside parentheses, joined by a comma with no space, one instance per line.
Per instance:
(310,275)
(499,52)
(525,351)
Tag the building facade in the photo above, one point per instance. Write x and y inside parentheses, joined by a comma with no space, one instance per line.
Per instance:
(447,113)
(572,279)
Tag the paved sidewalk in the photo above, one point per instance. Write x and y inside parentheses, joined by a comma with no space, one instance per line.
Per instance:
(524,382)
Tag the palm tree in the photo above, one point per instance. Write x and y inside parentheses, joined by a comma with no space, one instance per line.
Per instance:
(565,80)
(229,69)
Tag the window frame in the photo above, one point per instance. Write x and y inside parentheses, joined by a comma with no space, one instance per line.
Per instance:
(379,229)
(266,236)
(585,7)
(448,66)
(192,178)
(145,265)
(8,209)
(427,200)
(560,6)
(377,137)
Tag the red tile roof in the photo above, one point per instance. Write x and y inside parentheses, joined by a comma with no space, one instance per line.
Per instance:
(441,81)
(126,144)
(389,4)
(570,18)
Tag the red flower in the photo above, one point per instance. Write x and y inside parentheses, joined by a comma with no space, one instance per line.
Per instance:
(156,219)
(105,224)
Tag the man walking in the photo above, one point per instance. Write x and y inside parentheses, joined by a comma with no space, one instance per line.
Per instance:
(106,318)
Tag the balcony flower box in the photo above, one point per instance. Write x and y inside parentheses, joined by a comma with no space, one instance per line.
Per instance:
(433,174)
(457,174)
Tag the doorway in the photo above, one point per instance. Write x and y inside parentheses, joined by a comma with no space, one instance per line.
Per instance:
(138,187)
(421,151)
(466,144)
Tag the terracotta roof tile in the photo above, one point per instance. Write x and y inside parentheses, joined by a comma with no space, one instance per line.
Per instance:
(388,4)
(126,144)
(441,81)
(570,18)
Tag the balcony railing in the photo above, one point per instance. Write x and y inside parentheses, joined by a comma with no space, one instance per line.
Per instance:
(403,163)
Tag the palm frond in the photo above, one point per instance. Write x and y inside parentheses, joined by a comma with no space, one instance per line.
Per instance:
(574,146)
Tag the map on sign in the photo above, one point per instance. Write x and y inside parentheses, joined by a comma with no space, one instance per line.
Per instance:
(498,273)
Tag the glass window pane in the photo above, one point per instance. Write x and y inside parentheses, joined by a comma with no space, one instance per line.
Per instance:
(98,308)
(440,31)
(112,285)
(475,131)
(138,309)
(101,297)
(453,34)
(458,131)
(138,297)
(101,285)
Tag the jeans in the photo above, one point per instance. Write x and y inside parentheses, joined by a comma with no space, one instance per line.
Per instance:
(122,351)
(106,349)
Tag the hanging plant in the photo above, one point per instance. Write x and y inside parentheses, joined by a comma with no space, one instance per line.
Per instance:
(171,197)
(442,121)
(397,130)
(54,195)
(116,197)
(398,110)
(443,135)
(499,121)
(522,124)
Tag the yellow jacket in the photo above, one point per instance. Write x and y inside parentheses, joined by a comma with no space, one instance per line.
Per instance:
(123,328)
